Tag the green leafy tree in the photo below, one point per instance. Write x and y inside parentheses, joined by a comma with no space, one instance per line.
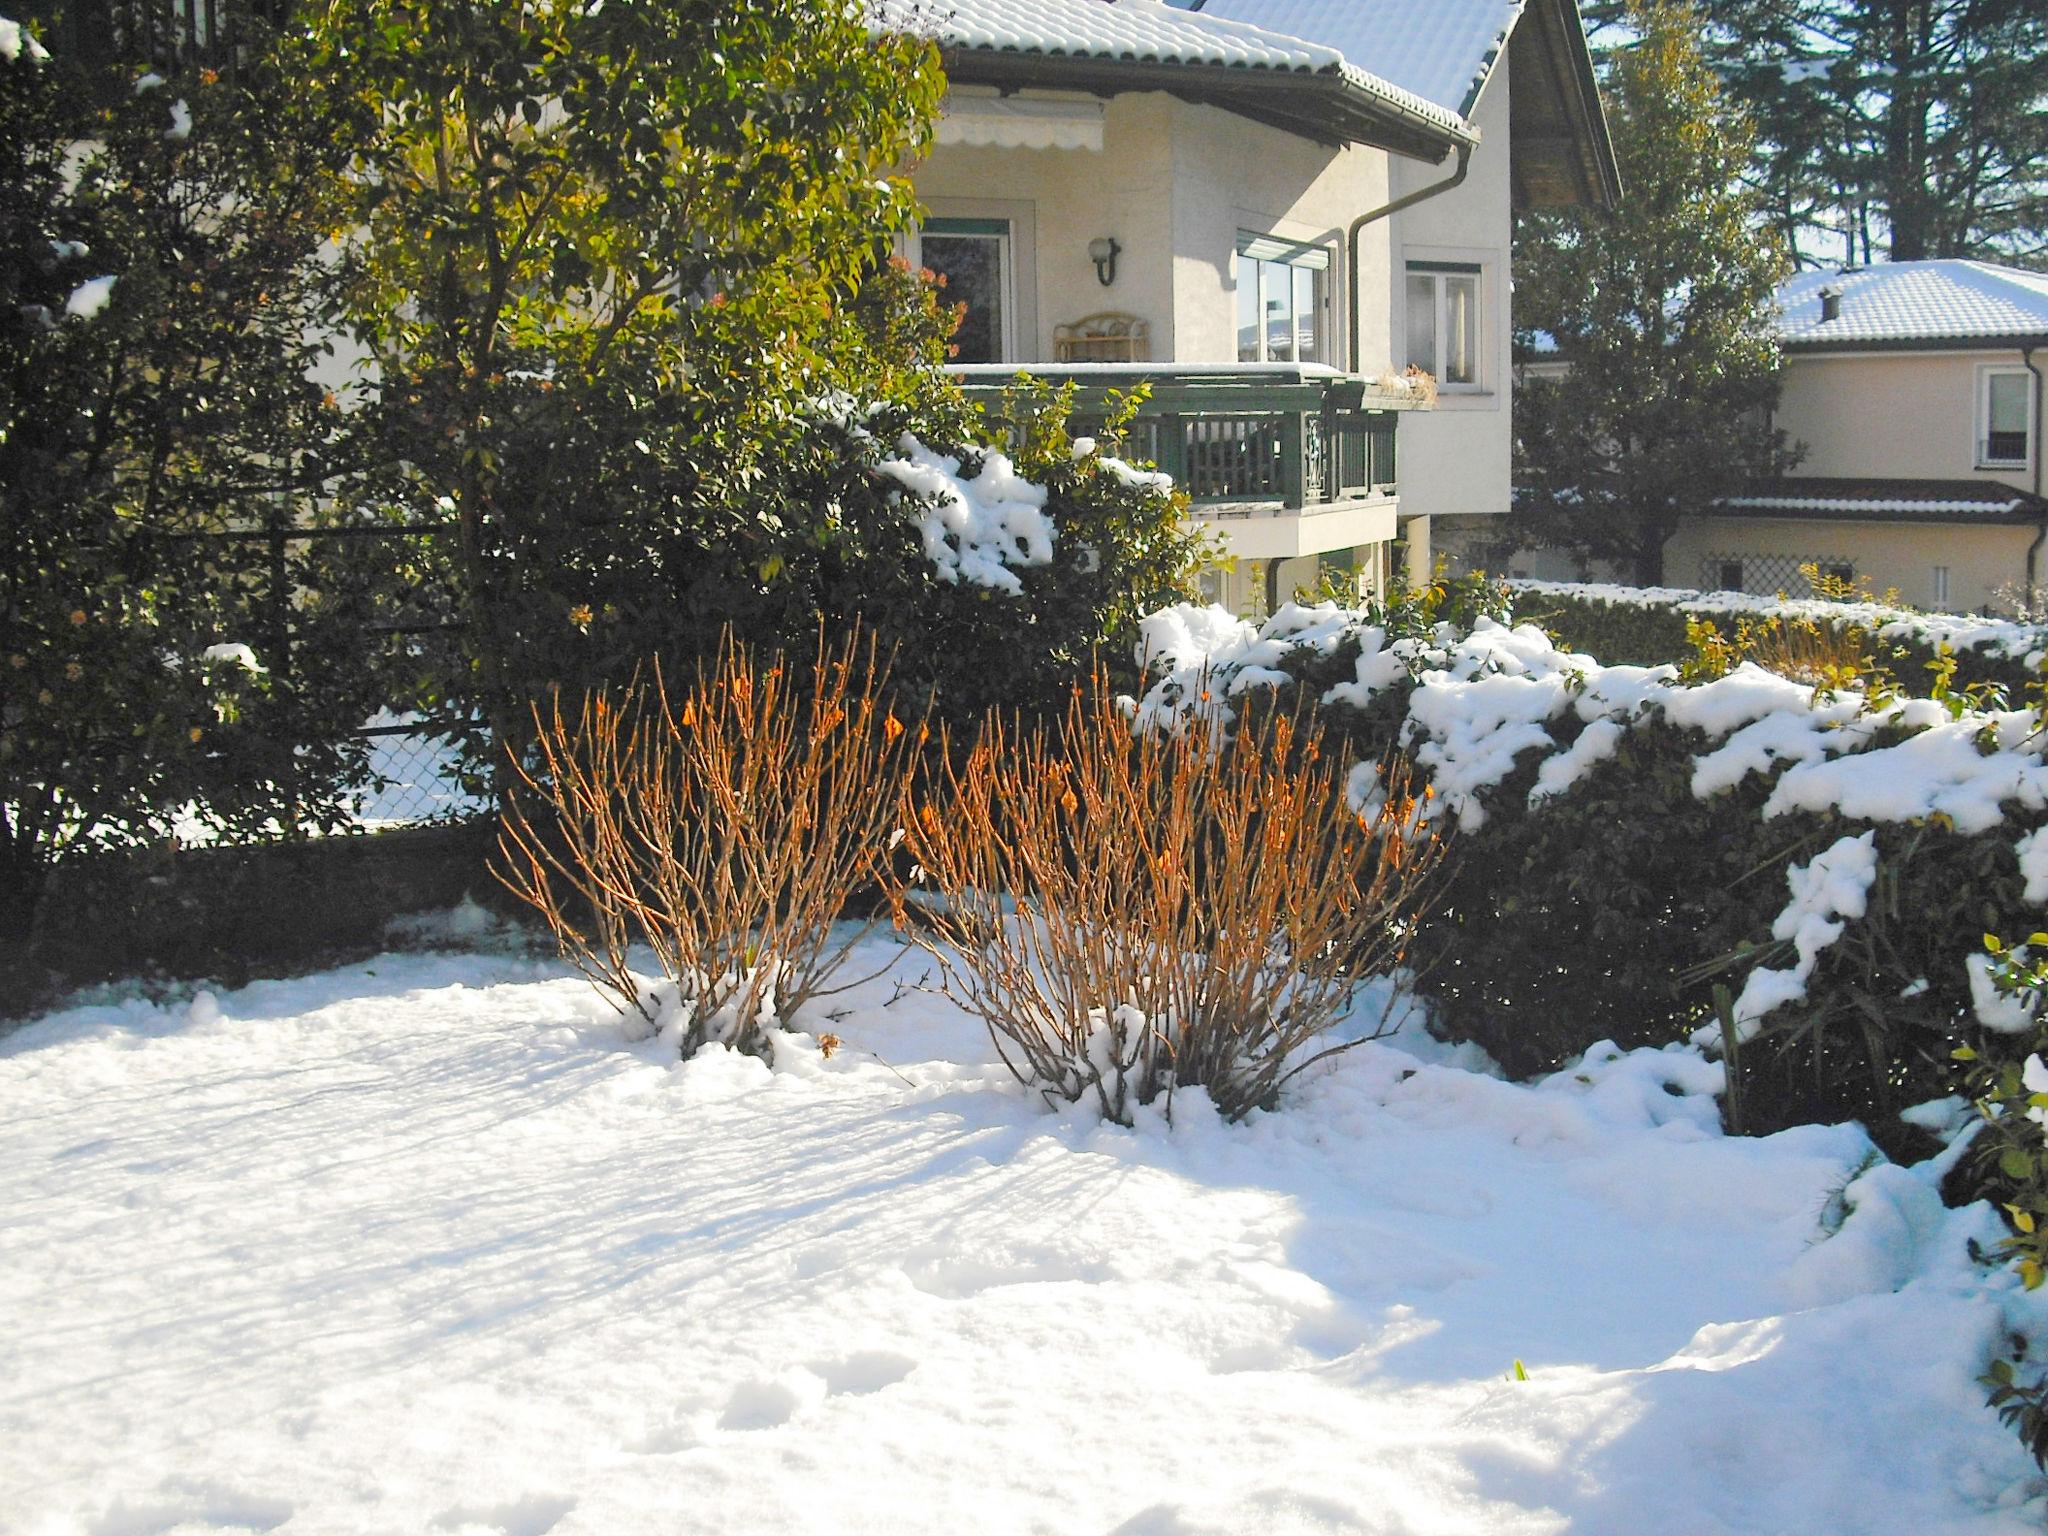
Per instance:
(1662,311)
(156,403)
(597,257)
(1904,129)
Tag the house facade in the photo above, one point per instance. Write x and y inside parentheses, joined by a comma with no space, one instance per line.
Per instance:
(1914,390)
(1279,213)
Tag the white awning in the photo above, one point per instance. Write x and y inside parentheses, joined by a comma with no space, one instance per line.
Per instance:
(1015,122)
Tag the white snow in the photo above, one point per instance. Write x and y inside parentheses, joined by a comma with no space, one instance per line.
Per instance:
(181,120)
(976,527)
(426,1244)
(14,38)
(234,653)
(1959,632)
(149,82)
(1827,891)
(1484,701)
(89,297)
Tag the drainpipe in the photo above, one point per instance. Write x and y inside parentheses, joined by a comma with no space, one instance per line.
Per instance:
(2041,533)
(1408,200)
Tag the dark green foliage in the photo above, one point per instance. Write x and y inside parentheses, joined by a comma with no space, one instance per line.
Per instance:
(1900,131)
(601,258)
(135,432)
(617,267)
(2007,1085)
(1661,308)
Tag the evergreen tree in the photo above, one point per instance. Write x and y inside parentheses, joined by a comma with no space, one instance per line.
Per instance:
(1904,129)
(597,255)
(1662,312)
(157,406)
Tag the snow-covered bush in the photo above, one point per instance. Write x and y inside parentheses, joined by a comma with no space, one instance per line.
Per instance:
(724,827)
(2007,1089)
(1133,913)
(1649,625)
(1634,847)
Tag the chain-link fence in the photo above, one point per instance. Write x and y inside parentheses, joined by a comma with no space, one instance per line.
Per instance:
(1769,575)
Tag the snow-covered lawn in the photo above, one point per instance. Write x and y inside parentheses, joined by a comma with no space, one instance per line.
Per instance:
(426,1245)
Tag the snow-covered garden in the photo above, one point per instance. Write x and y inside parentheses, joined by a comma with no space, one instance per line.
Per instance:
(429,1244)
(444,1241)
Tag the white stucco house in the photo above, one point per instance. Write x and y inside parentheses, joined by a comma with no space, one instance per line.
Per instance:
(1915,390)
(1278,212)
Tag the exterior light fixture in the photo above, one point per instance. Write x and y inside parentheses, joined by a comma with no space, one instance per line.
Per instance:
(1104,253)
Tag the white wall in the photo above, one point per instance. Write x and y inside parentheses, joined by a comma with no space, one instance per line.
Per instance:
(1058,200)
(1232,175)
(1173,184)
(1457,459)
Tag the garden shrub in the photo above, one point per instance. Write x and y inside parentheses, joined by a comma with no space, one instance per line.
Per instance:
(724,826)
(1794,876)
(1134,913)
(157,406)
(1650,626)
(2006,1083)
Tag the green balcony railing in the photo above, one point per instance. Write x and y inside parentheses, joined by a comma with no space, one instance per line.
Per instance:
(1269,437)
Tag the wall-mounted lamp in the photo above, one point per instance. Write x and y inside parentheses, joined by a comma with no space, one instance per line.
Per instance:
(1104,253)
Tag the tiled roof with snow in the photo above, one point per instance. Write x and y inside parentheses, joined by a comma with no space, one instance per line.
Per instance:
(1886,500)
(1915,301)
(1442,50)
(1144,32)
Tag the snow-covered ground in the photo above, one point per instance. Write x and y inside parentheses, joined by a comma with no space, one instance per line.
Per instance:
(426,1245)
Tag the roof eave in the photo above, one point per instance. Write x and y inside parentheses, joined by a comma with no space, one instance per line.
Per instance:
(2003,342)
(1558,132)
(1325,106)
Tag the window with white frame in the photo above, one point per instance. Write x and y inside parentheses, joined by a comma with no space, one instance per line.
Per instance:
(976,258)
(2005,418)
(1443,321)
(1283,300)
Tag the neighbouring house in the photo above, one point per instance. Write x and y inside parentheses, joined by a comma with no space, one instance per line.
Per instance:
(1914,389)
(1280,213)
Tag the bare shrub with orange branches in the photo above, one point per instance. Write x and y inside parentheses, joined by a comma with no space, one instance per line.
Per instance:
(725,827)
(1133,914)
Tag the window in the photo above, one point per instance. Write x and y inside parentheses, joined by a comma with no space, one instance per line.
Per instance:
(1728,576)
(1940,584)
(1443,321)
(1283,297)
(2005,410)
(974,257)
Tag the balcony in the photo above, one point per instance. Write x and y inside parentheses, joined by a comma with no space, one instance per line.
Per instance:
(1284,459)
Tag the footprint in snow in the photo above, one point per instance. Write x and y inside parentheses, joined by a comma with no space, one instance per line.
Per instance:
(534,1515)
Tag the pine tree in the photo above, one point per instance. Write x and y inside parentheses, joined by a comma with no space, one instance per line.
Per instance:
(1662,311)
(1901,128)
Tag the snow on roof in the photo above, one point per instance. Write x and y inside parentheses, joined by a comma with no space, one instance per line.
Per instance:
(1143,32)
(1821,495)
(1915,301)
(1442,50)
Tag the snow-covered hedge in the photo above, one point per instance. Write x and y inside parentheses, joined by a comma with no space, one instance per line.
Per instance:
(1648,624)
(1744,862)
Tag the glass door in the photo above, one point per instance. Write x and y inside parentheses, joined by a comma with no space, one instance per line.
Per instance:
(974,257)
